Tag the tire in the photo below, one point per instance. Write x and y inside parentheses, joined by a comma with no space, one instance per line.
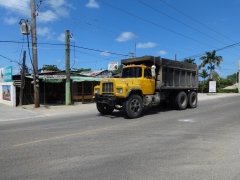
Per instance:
(104,109)
(192,99)
(181,100)
(133,106)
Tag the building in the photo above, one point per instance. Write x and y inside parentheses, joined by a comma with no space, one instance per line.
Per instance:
(52,87)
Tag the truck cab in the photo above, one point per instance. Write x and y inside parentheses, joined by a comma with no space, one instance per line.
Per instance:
(135,80)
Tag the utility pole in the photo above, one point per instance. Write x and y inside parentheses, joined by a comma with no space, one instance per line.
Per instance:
(67,66)
(135,44)
(131,54)
(239,76)
(22,79)
(34,54)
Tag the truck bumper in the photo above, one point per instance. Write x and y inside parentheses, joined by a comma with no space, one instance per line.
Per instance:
(109,100)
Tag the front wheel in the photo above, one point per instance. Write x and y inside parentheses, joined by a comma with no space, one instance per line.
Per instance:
(104,109)
(133,106)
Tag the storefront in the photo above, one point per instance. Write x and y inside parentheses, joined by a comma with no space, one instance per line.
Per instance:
(52,88)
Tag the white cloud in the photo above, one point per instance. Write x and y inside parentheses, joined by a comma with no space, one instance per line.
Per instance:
(43,31)
(11,20)
(22,8)
(56,3)
(162,52)
(92,4)
(16,6)
(58,7)
(47,16)
(58,61)
(105,53)
(146,45)
(125,36)
(61,37)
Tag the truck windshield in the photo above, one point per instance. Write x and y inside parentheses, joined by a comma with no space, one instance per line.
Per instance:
(132,72)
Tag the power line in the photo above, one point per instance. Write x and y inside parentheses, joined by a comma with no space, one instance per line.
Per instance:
(196,20)
(154,23)
(100,50)
(109,24)
(11,60)
(47,17)
(138,17)
(158,25)
(93,55)
(21,50)
(58,44)
(180,22)
(219,49)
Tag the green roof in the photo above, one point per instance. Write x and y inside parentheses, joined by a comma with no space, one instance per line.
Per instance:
(73,78)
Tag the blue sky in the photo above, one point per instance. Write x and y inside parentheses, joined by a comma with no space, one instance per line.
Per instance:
(107,31)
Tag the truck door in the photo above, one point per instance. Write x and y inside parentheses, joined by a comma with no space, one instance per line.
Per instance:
(148,82)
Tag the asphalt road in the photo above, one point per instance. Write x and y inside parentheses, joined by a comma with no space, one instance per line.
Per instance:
(201,143)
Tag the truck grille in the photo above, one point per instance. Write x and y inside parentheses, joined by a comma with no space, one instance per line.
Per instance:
(107,88)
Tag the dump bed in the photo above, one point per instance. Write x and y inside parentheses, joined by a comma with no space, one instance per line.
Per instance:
(170,74)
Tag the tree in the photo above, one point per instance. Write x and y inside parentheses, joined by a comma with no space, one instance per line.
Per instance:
(211,59)
(204,74)
(189,60)
(26,70)
(119,70)
(50,68)
(215,76)
(82,70)
(232,78)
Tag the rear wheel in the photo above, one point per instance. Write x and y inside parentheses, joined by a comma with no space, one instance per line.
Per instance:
(181,100)
(133,106)
(104,109)
(192,99)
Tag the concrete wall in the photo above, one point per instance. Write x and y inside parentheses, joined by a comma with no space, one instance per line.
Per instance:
(12,101)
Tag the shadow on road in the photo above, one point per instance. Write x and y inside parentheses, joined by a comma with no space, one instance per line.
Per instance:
(146,112)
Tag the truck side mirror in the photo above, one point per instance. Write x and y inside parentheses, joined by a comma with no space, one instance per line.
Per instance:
(153,71)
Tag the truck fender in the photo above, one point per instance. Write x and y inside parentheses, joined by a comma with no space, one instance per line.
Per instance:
(130,91)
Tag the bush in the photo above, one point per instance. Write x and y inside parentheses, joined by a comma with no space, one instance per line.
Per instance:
(203,87)
(220,90)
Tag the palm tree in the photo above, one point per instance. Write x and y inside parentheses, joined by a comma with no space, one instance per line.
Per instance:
(211,59)
(189,60)
(204,74)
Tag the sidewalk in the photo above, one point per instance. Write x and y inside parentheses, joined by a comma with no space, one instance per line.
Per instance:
(209,96)
(28,111)
(52,110)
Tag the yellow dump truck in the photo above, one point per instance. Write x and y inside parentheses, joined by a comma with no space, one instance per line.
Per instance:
(146,82)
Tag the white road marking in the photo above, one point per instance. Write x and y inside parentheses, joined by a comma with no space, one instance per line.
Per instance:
(186,120)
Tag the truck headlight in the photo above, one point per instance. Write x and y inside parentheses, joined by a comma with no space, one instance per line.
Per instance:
(119,90)
(97,91)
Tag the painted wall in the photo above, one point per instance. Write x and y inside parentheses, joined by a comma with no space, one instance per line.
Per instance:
(8,93)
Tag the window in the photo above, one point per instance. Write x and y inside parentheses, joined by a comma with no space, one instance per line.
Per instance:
(132,72)
(147,73)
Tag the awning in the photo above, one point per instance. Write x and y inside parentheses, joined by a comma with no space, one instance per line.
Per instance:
(48,80)
(81,79)
(52,80)
(73,78)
